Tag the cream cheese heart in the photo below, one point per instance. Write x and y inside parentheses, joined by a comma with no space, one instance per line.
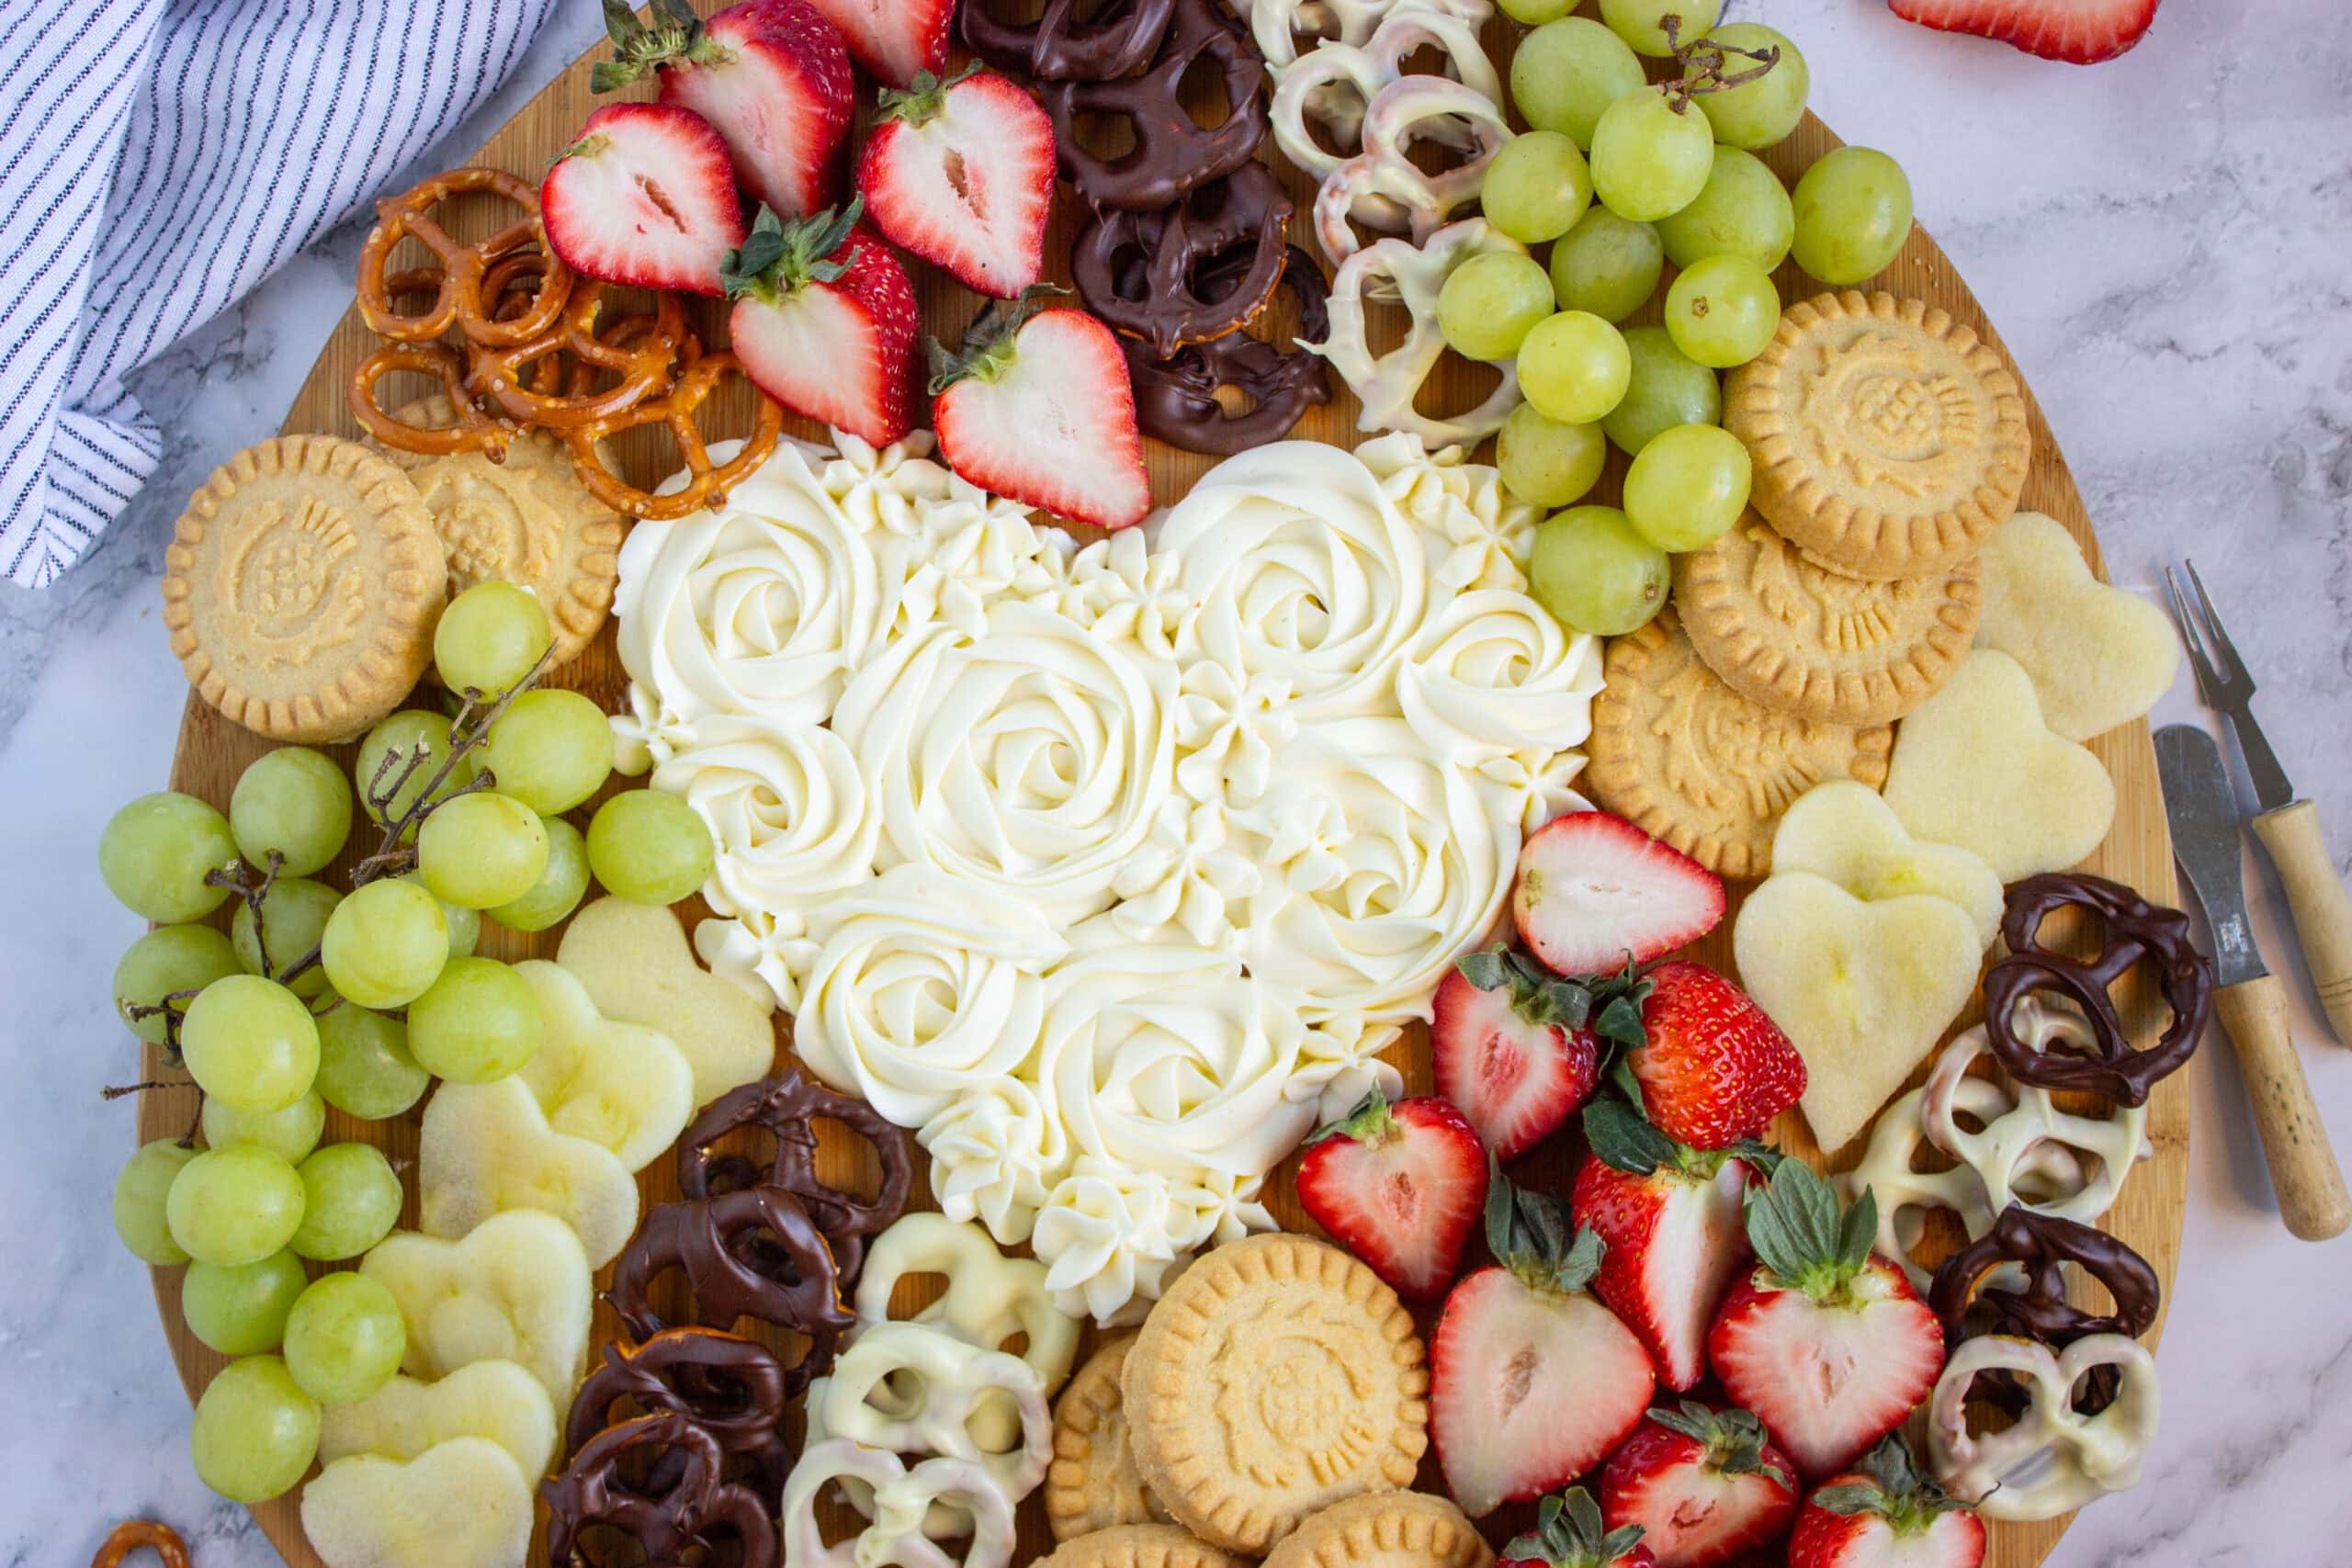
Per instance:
(460,1504)
(1976,766)
(1863,990)
(632,959)
(621,1086)
(516,1289)
(497,1400)
(1845,831)
(486,1149)
(2098,656)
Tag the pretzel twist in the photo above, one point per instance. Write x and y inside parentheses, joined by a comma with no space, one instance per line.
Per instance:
(463,297)
(131,1534)
(707,482)
(640,350)
(475,430)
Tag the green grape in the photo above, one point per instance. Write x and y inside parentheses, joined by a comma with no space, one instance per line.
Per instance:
(1573,368)
(251,1041)
(1649,157)
(1536,187)
(1641,23)
(289,1134)
(650,847)
(1667,389)
(1489,302)
(1607,266)
(482,849)
(1758,113)
(1687,487)
(465,925)
(479,1021)
(385,944)
(351,1201)
(345,1338)
(241,1310)
(255,1431)
(1544,462)
(488,637)
(294,916)
(156,853)
(1595,574)
(365,1070)
(557,892)
(1535,13)
(292,800)
(168,959)
(235,1205)
(1853,212)
(1723,311)
(1742,211)
(401,733)
(139,1191)
(1567,73)
(549,749)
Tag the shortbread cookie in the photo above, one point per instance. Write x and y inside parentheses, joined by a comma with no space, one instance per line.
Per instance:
(1140,1546)
(1693,762)
(1795,635)
(302,586)
(2097,656)
(527,520)
(1094,1484)
(1276,1377)
(1385,1530)
(1889,440)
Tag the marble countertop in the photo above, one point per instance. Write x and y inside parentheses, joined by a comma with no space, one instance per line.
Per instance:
(2161,240)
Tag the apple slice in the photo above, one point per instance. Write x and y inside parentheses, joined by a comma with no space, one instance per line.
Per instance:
(498,1400)
(460,1504)
(1844,831)
(517,1289)
(487,1149)
(621,1086)
(635,963)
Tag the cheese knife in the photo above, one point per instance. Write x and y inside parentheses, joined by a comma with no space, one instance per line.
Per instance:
(2252,1004)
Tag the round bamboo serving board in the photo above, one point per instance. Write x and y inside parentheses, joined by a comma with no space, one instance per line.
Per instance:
(212,752)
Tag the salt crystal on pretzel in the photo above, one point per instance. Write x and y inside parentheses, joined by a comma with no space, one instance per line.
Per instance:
(2053,1458)
(1387,383)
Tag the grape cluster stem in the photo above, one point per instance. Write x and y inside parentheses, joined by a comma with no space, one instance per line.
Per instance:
(1705,63)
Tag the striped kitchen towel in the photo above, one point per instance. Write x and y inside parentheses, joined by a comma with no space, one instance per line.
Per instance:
(157,159)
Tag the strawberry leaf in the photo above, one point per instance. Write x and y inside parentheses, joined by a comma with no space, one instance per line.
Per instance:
(1569,1534)
(1625,1139)
(988,348)
(1368,1124)
(676,35)
(1756,1152)
(777,259)
(1801,1234)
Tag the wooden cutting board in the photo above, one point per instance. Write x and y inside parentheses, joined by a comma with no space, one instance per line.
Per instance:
(212,752)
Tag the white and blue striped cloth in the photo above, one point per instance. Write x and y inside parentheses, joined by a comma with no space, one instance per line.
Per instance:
(157,159)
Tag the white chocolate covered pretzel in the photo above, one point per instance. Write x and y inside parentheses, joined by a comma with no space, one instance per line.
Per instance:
(1387,383)
(914,1389)
(1278,25)
(1332,86)
(989,1297)
(1383,188)
(903,1499)
(2053,1458)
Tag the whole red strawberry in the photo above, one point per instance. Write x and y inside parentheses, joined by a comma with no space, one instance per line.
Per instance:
(1400,1186)
(1568,1533)
(1712,1069)
(1885,1514)
(1705,1486)
(1826,1341)
(1672,1218)
(1511,1044)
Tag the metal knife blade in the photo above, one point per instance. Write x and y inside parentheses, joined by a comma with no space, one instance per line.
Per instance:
(2204,817)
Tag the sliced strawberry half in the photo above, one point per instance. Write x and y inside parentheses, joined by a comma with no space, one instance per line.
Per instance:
(1705,1486)
(962,175)
(1041,412)
(1673,1221)
(1569,1533)
(771,76)
(825,322)
(645,196)
(1826,1341)
(1510,1046)
(2081,32)
(1531,1380)
(893,39)
(1401,1186)
(1885,1511)
(1595,893)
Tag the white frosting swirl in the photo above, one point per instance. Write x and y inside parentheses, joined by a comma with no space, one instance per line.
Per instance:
(1477,534)
(786,809)
(1031,760)
(1108,1237)
(993,1155)
(1493,672)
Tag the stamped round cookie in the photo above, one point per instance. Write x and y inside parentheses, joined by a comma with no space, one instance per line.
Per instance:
(1140,1546)
(1276,1377)
(527,520)
(1795,635)
(1693,762)
(301,588)
(1385,1530)
(1094,1484)
(1889,439)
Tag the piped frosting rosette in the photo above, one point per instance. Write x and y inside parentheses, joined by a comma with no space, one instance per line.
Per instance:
(1111,870)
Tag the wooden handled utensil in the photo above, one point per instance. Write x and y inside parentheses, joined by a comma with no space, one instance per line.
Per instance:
(2252,1004)
(2288,828)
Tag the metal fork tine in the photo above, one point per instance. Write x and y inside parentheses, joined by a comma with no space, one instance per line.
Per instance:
(2238,675)
(2209,681)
